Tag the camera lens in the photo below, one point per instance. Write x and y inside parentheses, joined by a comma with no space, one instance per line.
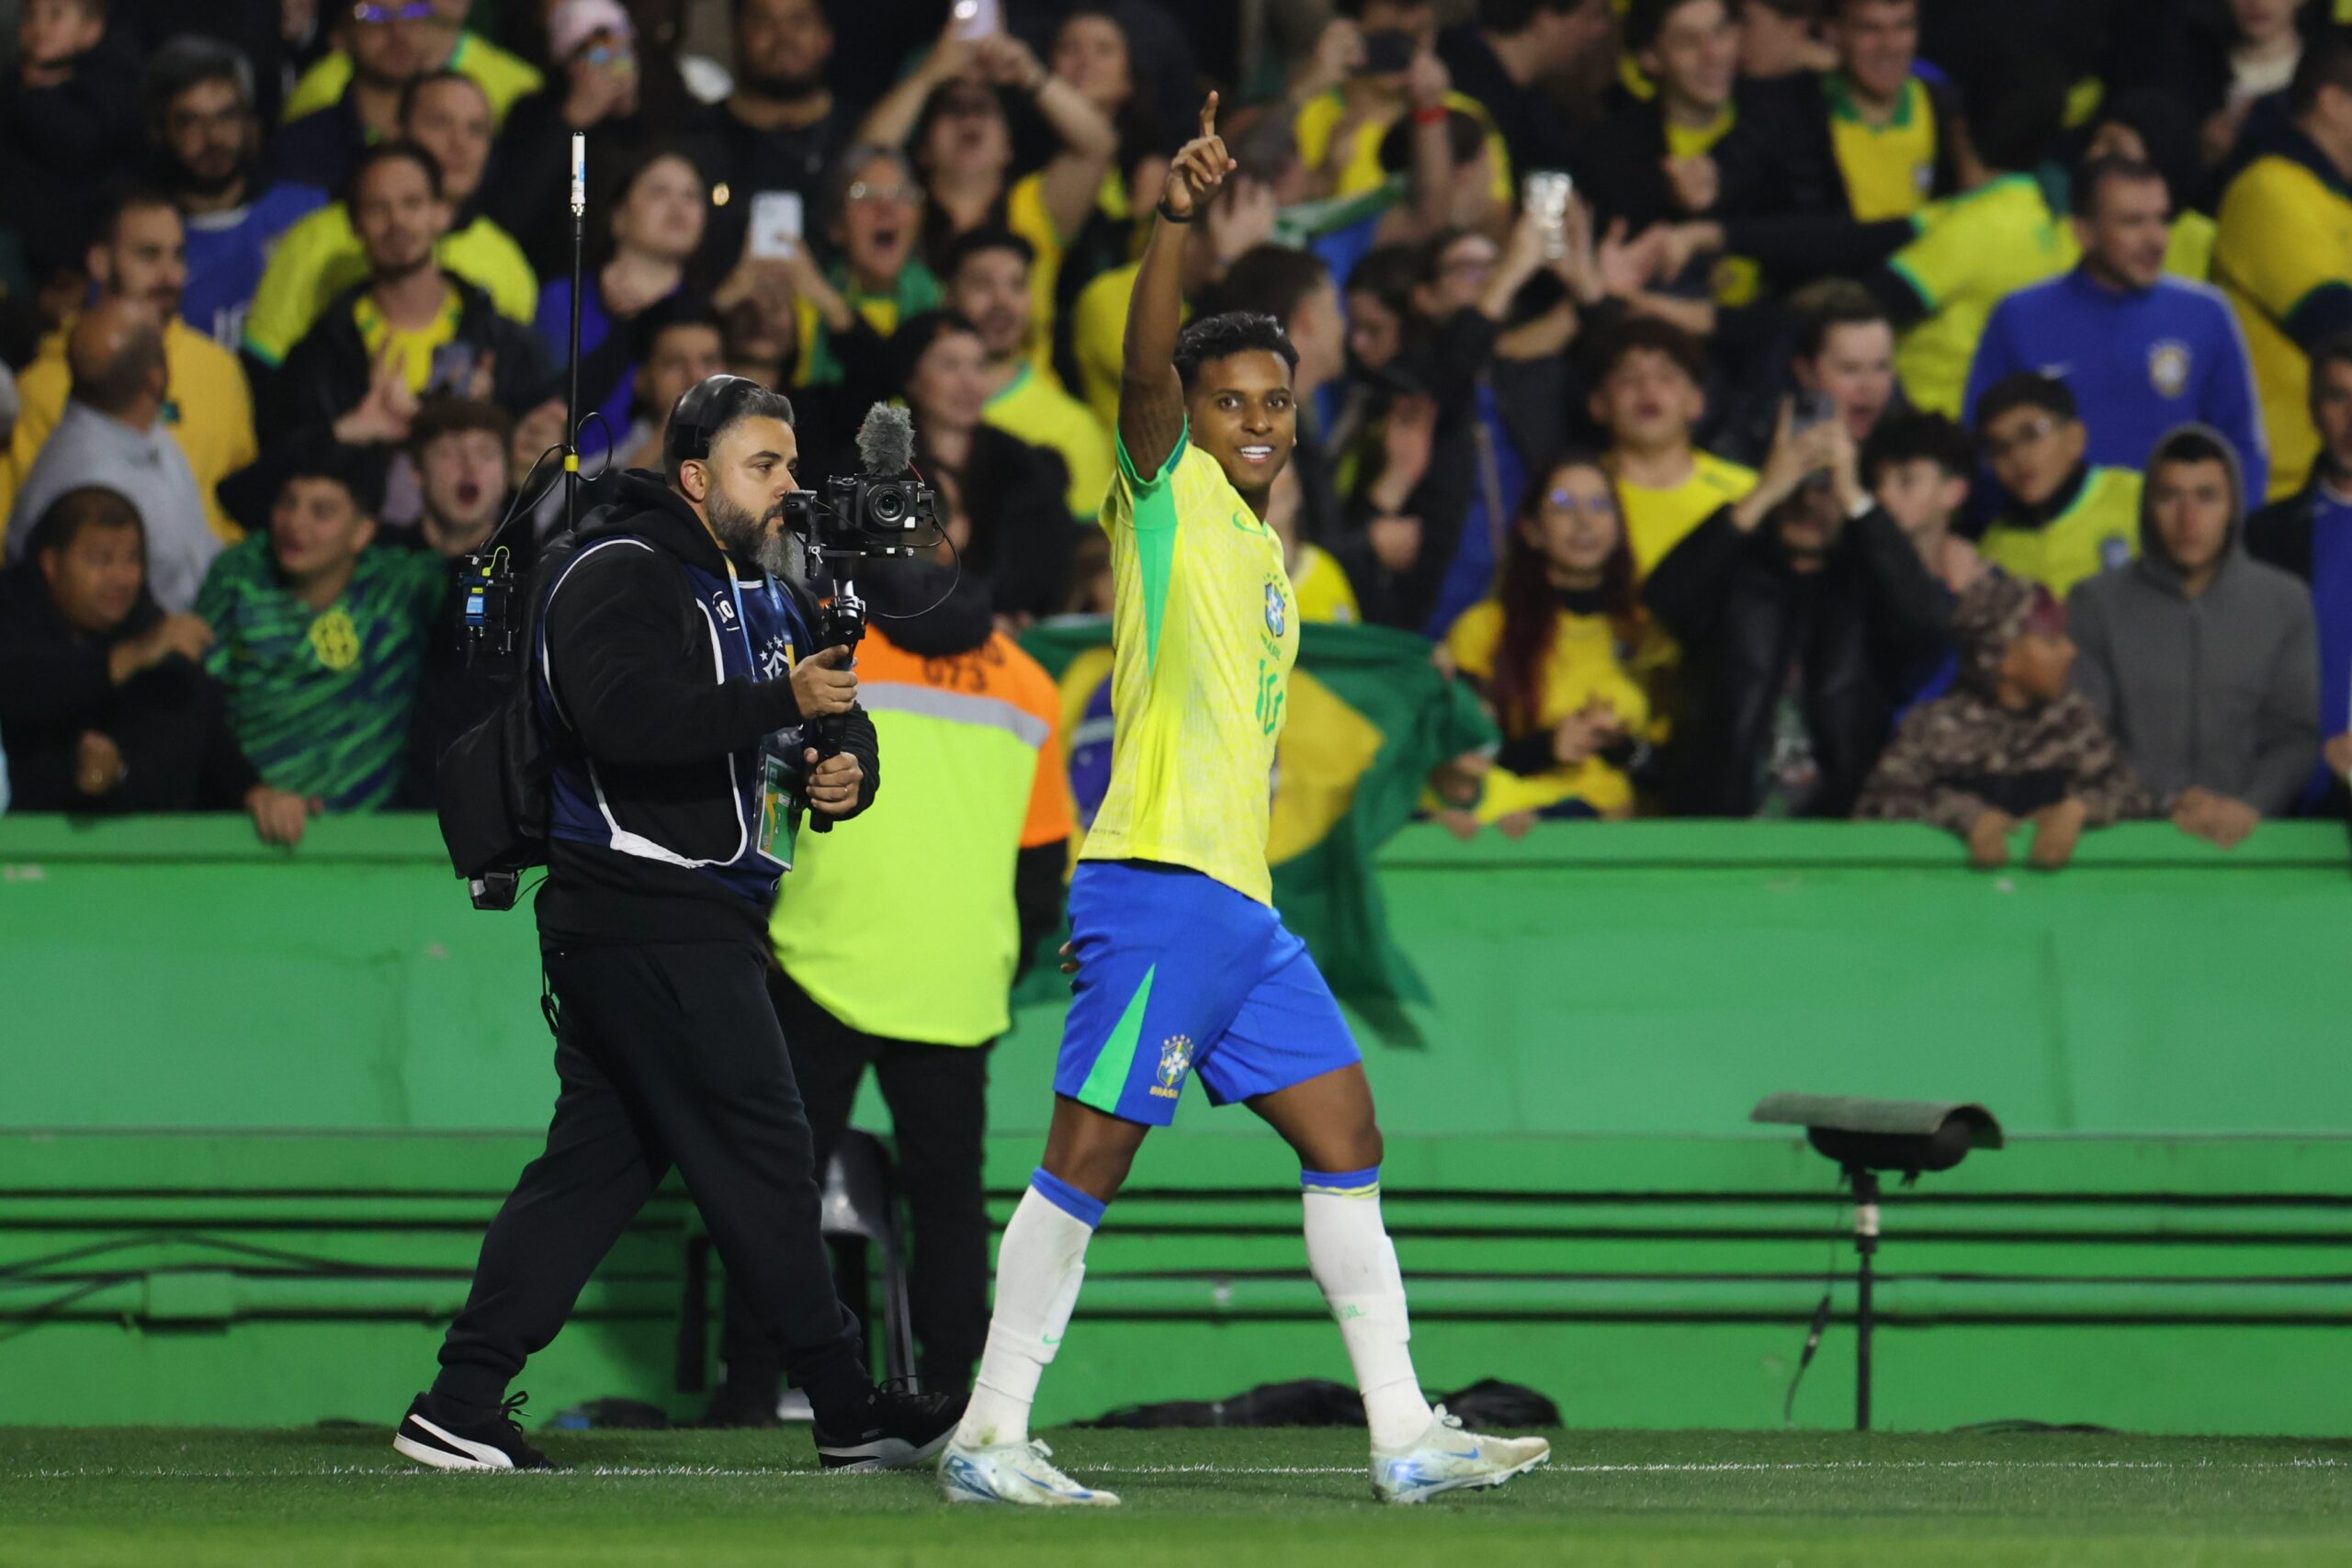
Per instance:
(887,507)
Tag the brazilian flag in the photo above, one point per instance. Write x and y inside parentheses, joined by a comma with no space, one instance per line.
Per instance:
(1369,714)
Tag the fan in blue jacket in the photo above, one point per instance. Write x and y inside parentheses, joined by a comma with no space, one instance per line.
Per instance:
(2143,353)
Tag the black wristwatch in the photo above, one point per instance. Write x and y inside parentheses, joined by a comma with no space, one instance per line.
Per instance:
(1162,209)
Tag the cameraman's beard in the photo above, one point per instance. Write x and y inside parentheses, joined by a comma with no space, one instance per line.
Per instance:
(762,542)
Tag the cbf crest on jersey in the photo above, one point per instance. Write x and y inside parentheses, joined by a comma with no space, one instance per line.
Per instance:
(2169,362)
(1175,1058)
(1277,609)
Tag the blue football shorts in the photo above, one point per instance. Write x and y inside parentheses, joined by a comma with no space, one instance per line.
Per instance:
(1178,974)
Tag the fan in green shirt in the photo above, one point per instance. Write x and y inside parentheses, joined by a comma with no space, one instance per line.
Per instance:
(319,639)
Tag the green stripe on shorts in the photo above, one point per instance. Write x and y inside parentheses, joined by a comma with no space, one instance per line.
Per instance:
(1109,1077)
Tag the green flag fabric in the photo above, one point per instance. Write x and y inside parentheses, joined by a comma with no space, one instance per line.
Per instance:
(1369,716)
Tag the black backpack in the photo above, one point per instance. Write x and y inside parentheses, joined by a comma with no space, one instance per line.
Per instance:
(494,781)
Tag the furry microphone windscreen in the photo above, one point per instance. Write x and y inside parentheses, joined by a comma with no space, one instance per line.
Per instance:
(886,442)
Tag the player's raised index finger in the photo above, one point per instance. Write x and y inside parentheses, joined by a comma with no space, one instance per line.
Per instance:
(1209,115)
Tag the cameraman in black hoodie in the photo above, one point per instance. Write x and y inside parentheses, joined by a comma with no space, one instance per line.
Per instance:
(675,677)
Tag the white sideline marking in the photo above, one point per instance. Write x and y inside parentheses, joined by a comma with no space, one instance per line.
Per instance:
(697,1471)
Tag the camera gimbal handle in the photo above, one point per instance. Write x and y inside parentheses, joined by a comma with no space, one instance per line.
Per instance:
(840,624)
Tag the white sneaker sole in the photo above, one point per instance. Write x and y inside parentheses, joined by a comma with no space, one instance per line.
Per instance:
(1465,1483)
(954,1492)
(473,1456)
(1100,1500)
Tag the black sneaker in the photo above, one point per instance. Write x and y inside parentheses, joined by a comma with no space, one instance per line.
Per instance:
(750,1402)
(902,1430)
(433,1432)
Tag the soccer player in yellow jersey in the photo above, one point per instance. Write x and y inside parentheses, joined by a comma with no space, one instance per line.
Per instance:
(1184,967)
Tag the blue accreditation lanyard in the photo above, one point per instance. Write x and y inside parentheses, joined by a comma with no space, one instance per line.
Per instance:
(777,828)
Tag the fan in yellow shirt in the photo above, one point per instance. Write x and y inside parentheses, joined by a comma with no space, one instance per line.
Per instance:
(505,77)
(1648,397)
(143,254)
(1098,328)
(2062,519)
(2284,255)
(318,258)
(1349,99)
(1340,141)
(989,284)
(1998,236)
(1887,128)
(321,256)
(1317,581)
(1549,654)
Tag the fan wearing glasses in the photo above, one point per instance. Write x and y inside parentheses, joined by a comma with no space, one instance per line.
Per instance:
(834,320)
(2062,518)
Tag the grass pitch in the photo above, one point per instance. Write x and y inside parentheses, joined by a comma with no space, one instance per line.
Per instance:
(317,1498)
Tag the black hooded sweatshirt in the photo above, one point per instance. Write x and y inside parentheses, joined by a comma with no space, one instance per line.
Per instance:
(655,737)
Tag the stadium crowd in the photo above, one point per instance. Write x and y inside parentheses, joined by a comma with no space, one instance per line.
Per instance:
(1930,410)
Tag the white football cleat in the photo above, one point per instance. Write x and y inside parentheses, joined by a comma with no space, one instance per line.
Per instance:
(1447,1459)
(1015,1472)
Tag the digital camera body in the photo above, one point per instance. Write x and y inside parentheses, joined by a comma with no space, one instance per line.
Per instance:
(857,515)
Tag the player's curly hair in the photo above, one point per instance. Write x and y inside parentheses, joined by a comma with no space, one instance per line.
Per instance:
(1231,332)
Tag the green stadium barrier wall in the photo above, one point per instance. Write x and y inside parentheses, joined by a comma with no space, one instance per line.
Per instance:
(255,1107)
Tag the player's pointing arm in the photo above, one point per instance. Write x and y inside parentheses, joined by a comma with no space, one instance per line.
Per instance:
(1152,399)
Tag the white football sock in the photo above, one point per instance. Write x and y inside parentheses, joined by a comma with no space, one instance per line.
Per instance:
(1349,1253)
(1039,1266)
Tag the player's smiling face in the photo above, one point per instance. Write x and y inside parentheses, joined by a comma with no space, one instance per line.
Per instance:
(1243,415)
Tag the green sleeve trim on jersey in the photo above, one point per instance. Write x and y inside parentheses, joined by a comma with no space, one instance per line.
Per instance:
(1157,481)
(1108,1077)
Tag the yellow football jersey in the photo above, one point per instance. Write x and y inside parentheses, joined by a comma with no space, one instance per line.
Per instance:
(1358,162)
(1203,632)
(2285,236)
(1889,170)
(1972,251)
(2099,530)
(1657,520)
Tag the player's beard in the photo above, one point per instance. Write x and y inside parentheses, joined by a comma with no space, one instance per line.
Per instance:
(762,542)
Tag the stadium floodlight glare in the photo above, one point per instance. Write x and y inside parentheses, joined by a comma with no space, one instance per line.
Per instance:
(1866,1137)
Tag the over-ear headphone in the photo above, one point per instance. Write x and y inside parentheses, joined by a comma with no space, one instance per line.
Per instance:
(707,407)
